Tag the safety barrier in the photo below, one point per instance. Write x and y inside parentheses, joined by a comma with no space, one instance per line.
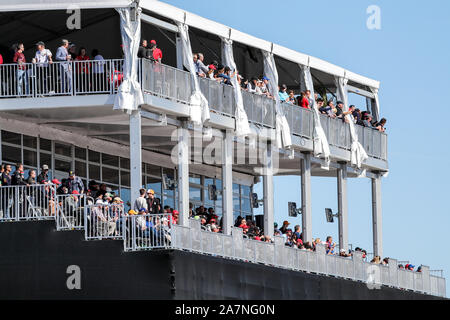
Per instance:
(104,221)
(300,120)
(60,78)
(70,212)
(145,232)
(236,246)
(32,202)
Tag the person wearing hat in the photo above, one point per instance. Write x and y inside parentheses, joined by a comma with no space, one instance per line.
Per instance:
(282,93)
(153,205)
(284,228)
(42,59)
(74,183)
(43,176)
(155,53)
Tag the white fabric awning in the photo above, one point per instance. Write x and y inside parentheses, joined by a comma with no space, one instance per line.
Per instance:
(31,5)
(221,30)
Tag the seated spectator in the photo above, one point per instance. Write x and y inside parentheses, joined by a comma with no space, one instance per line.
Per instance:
(244,226)
(380,125)
(282,93)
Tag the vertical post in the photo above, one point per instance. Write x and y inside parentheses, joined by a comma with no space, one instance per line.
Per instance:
(183,175)
(342,206)
(135,153)
(268,193)
(377,224)
(179,47)
(227,181)
(306,198)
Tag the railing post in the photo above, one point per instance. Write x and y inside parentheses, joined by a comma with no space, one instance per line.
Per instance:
(133,232)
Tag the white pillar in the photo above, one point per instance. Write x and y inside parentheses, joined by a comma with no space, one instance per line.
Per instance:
(342,206)
(377,222)
(306,198)
(268,193)
(227,182)
(183,175)
(179,48)
(135,153)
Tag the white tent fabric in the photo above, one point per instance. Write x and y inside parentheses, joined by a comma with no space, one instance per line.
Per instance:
(199,109)
(129,94)
(42,5)
(321,146)
(283,132)
(358,154)
(242,126)
(376,112)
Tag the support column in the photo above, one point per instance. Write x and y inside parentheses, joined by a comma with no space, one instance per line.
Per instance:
(135,153)
(306,198)
(183,174)
(179,48)
(268,193)
(377,223)
(227,182)
(342,206)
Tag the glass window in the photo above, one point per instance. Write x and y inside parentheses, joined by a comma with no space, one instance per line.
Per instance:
(195,194)
(110,175)
(63,149)
(125,164)
(30,142)
(45,158)
(80,153)
(194,178)
(125,195)
(94,156)
(124,178)
(246,206)
(110,160)
(11,137)
(11,154)
(236,204)
(45,144)
(154,183)
(61,165)
(153,170)
(235,188)
(169,201)
(245,190)
(30,158)
(94,172)
(80,169)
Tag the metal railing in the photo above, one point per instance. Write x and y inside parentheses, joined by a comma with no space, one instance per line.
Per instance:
(235,246)
(70,212)
(32,202)
(148,231)
(30,80)
(104,221)
(300,120)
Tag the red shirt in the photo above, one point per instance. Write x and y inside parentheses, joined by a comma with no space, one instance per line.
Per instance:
(82,67)
(19,58)
(1,59)
(157,53)
(305,103)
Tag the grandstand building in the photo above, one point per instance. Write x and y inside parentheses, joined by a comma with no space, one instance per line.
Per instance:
(133,123)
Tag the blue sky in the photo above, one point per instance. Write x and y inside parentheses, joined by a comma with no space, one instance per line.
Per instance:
(410,56)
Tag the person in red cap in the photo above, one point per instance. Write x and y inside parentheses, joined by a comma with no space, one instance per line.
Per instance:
(174,216)
(56,181)
(155,52)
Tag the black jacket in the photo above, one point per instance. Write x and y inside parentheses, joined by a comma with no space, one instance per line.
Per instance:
(18,179)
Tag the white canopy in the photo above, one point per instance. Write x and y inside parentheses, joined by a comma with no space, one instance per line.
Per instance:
(29,5)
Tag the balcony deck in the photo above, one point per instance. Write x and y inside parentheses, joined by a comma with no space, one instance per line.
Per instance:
(167,91)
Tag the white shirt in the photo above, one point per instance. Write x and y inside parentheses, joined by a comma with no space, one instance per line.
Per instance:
(42,57)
